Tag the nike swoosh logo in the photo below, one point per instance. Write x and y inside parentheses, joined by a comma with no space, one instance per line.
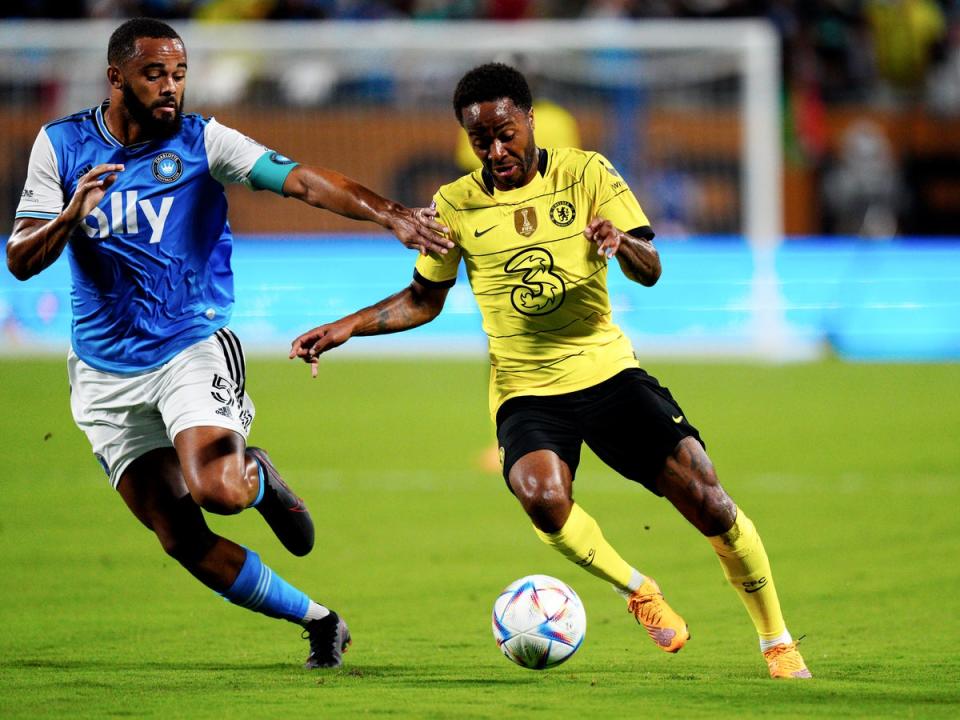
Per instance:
(752,590)
(478,233)
(678,419)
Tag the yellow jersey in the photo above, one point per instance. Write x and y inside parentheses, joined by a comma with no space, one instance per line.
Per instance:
(540,284)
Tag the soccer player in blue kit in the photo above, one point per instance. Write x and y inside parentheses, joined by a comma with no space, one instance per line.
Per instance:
(134,190)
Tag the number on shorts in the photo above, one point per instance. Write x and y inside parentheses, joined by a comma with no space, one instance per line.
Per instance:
(222,383)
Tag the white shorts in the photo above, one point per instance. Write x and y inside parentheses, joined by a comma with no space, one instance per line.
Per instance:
(125,416)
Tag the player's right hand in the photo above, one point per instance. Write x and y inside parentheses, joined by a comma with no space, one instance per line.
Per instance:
(91,190)
(313,343)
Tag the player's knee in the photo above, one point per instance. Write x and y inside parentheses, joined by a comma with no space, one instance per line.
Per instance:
(690,482)
(717,511)
(545,500)
(708,507)
(221,494)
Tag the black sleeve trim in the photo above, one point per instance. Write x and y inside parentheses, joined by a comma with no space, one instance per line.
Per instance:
(644,233)
(432,283)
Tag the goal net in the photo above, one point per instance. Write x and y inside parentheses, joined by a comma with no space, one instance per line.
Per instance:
(687,111)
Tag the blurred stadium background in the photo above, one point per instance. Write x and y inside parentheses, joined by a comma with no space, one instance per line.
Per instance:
(800,161)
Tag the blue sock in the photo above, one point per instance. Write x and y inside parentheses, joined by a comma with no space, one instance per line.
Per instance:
(260,491)
(258,588)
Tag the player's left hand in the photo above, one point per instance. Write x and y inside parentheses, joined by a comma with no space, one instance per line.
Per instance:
(605,235)
(310,345)
(417,228)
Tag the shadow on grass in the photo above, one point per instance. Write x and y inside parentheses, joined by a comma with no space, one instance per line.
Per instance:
(391,673)
(75,665)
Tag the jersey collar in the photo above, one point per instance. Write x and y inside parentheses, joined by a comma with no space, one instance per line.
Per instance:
(104,131)
(487,176)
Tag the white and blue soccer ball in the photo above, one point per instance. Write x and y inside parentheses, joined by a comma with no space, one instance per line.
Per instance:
(538,622)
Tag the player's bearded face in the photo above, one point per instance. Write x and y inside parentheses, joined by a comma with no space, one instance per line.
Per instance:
(156,125)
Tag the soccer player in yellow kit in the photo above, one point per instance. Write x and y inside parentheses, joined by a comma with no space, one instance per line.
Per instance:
(536,228)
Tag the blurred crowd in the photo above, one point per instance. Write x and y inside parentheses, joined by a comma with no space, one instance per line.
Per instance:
(840,50)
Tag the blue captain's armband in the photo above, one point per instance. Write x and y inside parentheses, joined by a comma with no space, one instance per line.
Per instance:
(270,171)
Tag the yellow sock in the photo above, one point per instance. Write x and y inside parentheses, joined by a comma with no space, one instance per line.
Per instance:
(745,564)
(581,541)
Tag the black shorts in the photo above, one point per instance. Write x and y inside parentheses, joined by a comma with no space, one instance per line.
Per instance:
(630,421)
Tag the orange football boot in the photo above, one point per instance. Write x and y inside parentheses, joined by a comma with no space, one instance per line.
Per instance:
(667,629)
(785,662)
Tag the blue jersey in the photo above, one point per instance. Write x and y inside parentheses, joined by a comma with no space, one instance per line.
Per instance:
(151,264)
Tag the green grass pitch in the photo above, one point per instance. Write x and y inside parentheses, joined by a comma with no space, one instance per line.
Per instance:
(851,473)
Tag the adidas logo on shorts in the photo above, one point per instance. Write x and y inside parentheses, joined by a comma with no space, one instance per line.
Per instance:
(225,411)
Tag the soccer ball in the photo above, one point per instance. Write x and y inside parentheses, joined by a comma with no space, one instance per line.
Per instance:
(538,622)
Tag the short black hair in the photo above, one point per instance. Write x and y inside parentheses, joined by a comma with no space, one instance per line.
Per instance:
(491,81)
(123,41)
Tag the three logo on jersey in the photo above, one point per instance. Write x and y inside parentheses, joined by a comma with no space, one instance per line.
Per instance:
(542,289)
(126,207)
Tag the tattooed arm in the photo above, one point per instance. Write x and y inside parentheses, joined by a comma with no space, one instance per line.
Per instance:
(415,305)
(638,258)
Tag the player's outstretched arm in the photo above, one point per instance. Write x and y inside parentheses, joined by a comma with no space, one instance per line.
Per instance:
(638,258)
(413,306)
(328,189)
(35,244)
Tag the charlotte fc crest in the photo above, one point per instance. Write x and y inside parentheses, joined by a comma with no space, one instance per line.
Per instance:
(525,221)
(167,167)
